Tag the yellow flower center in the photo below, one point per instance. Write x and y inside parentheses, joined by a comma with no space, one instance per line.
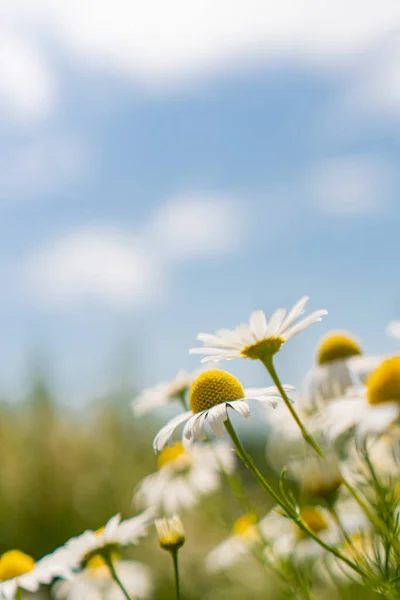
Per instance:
(383,385)
(314,518)
(213,387)
(15,563)
(175,456)
(263,349)
(245,527)
(337,346)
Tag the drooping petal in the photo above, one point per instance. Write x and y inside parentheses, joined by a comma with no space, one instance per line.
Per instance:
(216,417)
(164,435)
(241,407)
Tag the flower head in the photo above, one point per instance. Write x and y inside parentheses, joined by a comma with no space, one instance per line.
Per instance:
(372,408)
(340,364)
(211,394)
(287,539)
(184,475)
(259,339)
(163,393)
(171,535)
(95,582)
(108,539)
(242,539)
(19,571)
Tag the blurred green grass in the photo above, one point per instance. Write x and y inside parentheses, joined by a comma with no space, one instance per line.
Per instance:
(63,471)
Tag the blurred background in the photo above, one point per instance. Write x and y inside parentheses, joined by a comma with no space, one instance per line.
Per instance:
(165,168)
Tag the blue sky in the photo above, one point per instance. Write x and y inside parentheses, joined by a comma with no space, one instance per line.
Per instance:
(157,184)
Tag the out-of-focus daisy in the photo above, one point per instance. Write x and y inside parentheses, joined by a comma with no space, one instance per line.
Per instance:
(319,479)
(362,548)
(108,540)
(184,475)
(18,571)
(211,394)
(95,582)
(340,364)
(164,393)
(285,442)
(287,539)
(260,339)
(243,540)
(393,329)
(372,408)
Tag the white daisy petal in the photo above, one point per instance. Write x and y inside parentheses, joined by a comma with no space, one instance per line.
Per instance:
(241,407)
(275,323)
(294,314)
(199,426)
(188,429)
(165,434)
(216,417)
(258,323)
(313,318)
(378,419)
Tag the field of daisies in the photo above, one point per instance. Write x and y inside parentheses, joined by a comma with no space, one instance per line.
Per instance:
(122,503)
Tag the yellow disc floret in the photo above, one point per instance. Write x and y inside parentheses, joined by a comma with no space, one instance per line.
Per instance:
(314,519)
(337,346)
(383,385)
(213,387)
(175,456)
(245,527)
(15,563)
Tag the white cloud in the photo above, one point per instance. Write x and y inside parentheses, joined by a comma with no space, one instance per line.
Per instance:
(38,168)
(195,226)
(92,264)
(375,87)
(129,268)
(349,186)
(27,90)
(167,43)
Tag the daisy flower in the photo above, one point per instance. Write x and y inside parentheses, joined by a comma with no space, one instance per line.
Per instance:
(18,571)
(340,364)
(318,479)
(95,582)
(184,475)
(163,393)
(242,541)
(287,539)
(370,409)
(107,540)
(393,329)
(362,548)
(211,394)
(260,339)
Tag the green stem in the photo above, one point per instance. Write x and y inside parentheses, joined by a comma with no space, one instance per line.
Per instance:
(248,461)
(174,554)
(269,365)
(108,560)
(18,594)
(291,512)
